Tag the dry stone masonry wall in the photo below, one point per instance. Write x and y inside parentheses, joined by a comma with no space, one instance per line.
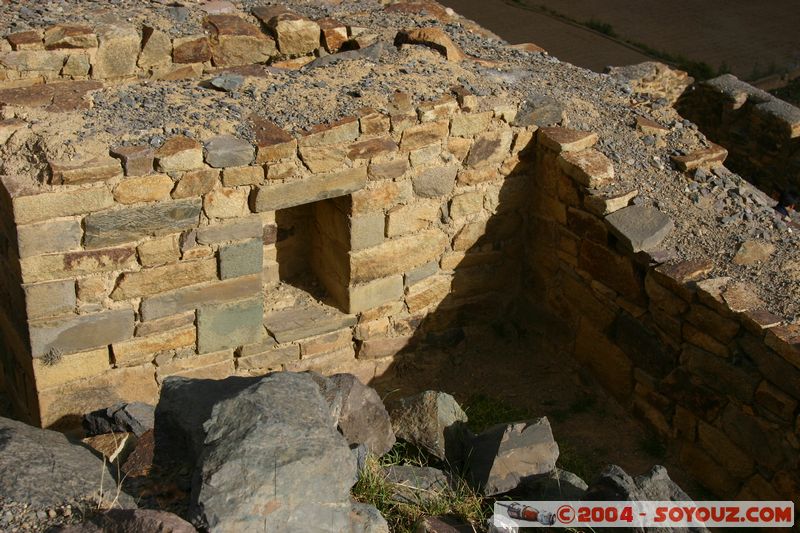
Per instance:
(332,190)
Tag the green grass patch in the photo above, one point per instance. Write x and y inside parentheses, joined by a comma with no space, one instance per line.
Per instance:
(485,412)
(460,501)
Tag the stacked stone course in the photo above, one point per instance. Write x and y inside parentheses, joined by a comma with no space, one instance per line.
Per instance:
(696,356)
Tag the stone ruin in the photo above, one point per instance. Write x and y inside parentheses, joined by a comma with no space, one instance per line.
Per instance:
(222,189)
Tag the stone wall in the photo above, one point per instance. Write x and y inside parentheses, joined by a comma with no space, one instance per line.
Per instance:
(760,132)
(692,354)
(152,262)
(121,51)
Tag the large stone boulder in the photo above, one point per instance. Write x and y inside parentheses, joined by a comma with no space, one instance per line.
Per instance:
(367,519)
(272,461)
(136,418)
(614,484)
(184,406)
(44,469)
(434,422)
(555,485)
(363,418)
(506,454)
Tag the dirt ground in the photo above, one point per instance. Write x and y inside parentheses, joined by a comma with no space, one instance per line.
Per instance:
(532,377)
(747,36)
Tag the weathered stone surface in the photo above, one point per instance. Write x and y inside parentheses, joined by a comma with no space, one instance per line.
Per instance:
(365,518)
(600,204)
(191,49)
(135,417)
(323,158)
(156,48)
(241,259)
(422,135)
(179,154)
(229,325)
(234,41)
(363,418)
(159,251)
(785,340)
(69,36)
(334,34)
(615,484)
(44,469)
(189,298)
(117,51)
(590,168)
(133,223)
(566,140)
(72,264)
(435,182)
(164,278)
(411,218)
(236,176)
(280,196)
(71,367)
(50,299)
(433,421)
(539,110)
(145,349)
(143,189)
(26,40)
(415,485)
(640,227)
(196,183)
(753,252)
(503,455)
(435,38)
(49,237)
(80,333)
(136,160)
(369,295)
(396,255)
(294,34)
(714,155)
(720,374)
(339,132)
(308,480)
(101,168)
(237,230)
(272,142)
(490,148)
(468,124)
(293,324)
(228,151)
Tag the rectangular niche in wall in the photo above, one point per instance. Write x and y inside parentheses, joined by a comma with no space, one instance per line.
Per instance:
(312,246)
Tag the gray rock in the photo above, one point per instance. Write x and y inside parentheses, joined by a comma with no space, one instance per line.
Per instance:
(363,418)
(443,524)
(241,259)
(614,484)
(184,406)
(538,110)
(416,484)
(134,417)
(227,82)
(133,521)
(435,182)
(366,518)
(272,462)
(433,421)
(503,456)
(332,394)
(131,224)
(229,325)
(229,151)
(640,227)
(555,485)
(372,52)
(44,469)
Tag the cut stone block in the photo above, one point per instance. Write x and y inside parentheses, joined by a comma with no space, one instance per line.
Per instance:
(295,35)
(49,237)
(69,36)
(229,325)
(228,151)
(131,224)
(280,196)
(74,264)
(189,298)
(640,227)
(117,51)
(164,278)
(241,259)
(566,140)
(590,168)
(435,182)
(238,230)
(95,169)
(136,160)
(179,154)
(435,38)
(156,48)
(234,41)
(80,333)
(191,49)
(293,324)
(50,299)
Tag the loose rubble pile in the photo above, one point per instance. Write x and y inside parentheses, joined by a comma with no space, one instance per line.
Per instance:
(282,452)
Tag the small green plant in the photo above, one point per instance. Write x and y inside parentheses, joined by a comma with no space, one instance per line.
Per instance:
(460,500)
